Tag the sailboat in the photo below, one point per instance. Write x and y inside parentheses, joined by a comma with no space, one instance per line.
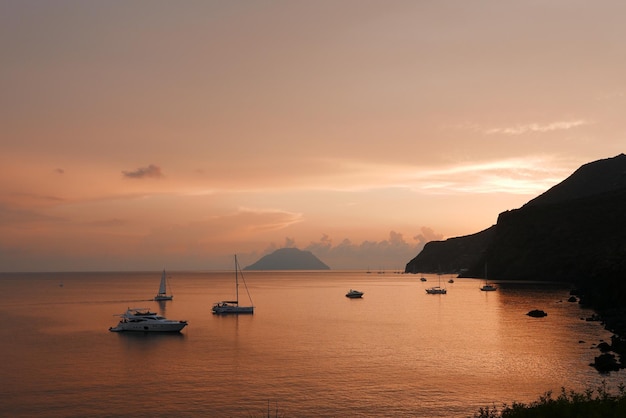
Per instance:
(488,287)
(162,295)
(232,306)
(437,290)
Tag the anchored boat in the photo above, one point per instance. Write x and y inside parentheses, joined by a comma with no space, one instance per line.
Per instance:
(232,306)
(142,320)
(162,295)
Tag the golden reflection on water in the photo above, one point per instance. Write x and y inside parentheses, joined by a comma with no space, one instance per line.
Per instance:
(395,352)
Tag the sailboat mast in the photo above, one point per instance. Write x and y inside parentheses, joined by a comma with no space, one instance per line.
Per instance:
(236,280)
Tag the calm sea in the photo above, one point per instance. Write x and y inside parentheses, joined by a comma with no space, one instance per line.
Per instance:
(307,351)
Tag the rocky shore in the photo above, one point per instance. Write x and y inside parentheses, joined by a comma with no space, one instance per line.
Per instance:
(613,319)
(613,354)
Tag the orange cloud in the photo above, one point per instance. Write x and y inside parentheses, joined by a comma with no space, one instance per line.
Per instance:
(536,127)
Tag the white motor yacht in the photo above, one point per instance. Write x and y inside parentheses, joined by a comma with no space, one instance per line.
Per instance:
(142,320)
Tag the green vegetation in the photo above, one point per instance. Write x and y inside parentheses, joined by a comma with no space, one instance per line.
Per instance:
(591,403)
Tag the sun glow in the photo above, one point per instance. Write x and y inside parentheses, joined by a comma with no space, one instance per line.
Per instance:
(224,128)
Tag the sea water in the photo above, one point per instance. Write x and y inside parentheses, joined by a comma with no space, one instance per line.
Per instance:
(307,351)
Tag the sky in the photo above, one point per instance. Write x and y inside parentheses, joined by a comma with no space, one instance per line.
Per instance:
(138,135)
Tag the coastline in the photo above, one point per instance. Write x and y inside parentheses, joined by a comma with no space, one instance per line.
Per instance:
(612,355)
(613,319)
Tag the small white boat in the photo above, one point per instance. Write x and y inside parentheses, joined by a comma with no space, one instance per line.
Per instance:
(162,295)
(142,320)
(232,306)
(354,294)
(423,279)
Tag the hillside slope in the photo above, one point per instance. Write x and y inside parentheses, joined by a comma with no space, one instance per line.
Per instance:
(575,231)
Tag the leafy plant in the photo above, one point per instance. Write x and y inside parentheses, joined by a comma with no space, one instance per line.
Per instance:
(591,403)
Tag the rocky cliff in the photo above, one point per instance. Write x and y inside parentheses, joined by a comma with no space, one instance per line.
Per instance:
(571,241)
(575,232)
(454,255)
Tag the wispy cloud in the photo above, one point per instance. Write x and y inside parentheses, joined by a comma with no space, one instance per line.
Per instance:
(16,216)
(528,175)
(195,238)
(152,171)
(30,200)
(525,175)
(536,127)
(108,223)
(612,96)
(264,220)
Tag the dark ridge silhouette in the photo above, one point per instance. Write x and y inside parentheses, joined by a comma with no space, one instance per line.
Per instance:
(289,259)
(571,241)
(574,232)
(453,255)
(595,178)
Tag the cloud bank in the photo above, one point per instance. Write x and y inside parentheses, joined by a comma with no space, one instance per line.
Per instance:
(390,254)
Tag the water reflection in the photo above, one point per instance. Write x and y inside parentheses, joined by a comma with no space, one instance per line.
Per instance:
(397,352)
(162,307)
(232,324)
(149,337)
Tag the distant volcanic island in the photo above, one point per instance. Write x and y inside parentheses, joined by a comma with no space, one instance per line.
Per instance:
(288,259)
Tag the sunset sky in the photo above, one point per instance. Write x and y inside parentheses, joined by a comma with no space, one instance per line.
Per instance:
(137,135)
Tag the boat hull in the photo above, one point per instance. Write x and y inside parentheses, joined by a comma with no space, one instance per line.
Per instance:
(147,327)
(142,320)
(225,310)
(354,294)
(158,298)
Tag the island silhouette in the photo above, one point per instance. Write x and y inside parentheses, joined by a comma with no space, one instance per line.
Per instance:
(288,259)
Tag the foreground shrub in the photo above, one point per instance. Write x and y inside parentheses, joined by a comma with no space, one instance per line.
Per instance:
(591,403)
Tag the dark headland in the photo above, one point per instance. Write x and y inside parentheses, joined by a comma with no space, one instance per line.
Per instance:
(289,259)
(575,233)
